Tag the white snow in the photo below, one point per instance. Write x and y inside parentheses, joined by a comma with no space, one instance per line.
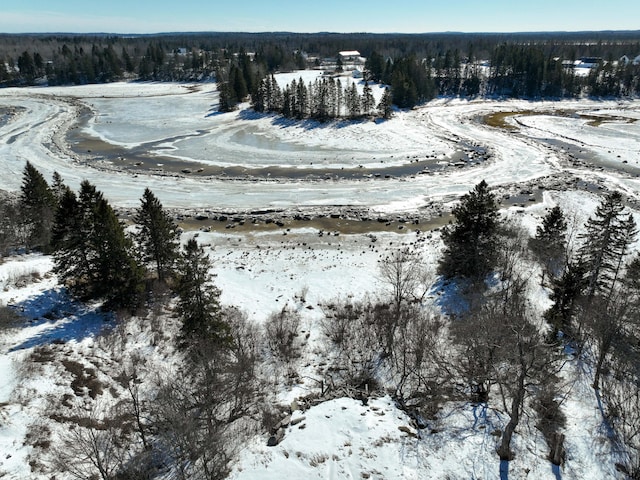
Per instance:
(263,272)
(130,114)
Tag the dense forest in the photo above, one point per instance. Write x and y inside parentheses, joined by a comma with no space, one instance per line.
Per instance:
(417,68)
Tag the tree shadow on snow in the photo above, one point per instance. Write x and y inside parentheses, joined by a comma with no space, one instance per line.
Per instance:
(306,123)
(504,470)
(451,296)
(53,316)
(214,112)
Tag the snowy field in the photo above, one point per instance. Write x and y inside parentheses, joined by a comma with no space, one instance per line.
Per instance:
(264,271)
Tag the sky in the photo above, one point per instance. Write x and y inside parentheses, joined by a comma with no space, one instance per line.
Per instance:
(376,16)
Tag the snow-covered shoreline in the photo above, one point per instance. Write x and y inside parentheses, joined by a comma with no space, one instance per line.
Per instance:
(435,129)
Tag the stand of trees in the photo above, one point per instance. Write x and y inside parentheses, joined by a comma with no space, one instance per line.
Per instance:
(498,340)
(416,68)
(96,259)
(324,99)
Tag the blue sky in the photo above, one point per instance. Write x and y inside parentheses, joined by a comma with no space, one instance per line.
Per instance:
(410,16)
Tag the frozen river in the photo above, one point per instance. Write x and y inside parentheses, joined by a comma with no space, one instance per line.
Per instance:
(127,136)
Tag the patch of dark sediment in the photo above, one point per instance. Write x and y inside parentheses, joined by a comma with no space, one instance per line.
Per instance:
(326,220)
(7,112)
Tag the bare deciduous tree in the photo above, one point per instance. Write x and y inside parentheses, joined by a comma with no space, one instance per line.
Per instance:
(93,444)
(416,348)
(282,330)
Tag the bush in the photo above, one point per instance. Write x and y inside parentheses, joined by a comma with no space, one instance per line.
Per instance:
(282,333)
(8,318)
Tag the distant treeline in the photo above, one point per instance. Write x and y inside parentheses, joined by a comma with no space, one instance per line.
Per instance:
(416,67)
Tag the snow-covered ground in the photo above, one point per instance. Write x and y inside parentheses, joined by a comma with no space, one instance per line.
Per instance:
(179,121)
(263,271)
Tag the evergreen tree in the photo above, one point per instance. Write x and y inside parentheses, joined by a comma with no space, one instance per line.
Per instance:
(58,187)
(120,277)
(38,204)
(238,84)
(607,239)
(352,101)
(550,243)
(566,291)
(227,101)
(374,67)
(301,99)
(471,241)
(368,102)
(339,98)
(158,237)
(386,104)
(93,256)
(199,299)
(27,67)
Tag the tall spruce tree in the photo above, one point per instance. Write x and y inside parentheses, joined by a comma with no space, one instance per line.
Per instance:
(93,256)
(608,235)
(158,235)
(471,241)
(368,102)
(352,101)
(199,300)
(550,243)
(565,294)
(386,104)
(38,204)
(57,186)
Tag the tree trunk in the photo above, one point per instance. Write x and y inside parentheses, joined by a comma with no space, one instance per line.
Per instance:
(600,362)
(504,450)
(557,453)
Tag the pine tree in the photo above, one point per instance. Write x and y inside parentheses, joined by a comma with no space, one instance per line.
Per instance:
(260,99)
(119,275)
(158,236)
(38,204)
(471,241)
(238,84)
(301,96)
(199,299)
(374,67)
(339,98)
(607,239)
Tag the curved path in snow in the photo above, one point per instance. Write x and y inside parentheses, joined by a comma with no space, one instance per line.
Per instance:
(35,131)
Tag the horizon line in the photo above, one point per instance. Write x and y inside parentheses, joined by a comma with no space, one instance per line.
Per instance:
(287,32)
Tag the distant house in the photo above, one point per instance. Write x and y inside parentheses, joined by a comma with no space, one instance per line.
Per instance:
(349,55)
(636,61)
(588,62)
(624,60)
(351,60)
